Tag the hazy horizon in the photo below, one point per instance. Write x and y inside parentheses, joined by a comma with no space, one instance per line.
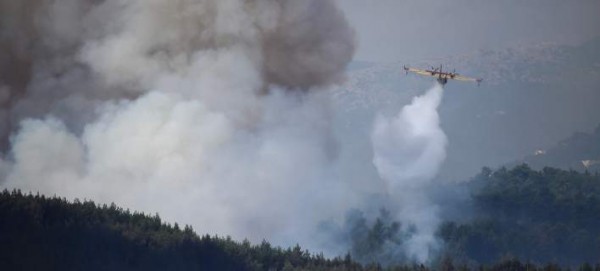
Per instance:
(395,30)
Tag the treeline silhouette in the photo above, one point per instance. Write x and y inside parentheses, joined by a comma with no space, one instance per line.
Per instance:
(50,233)
(526,220)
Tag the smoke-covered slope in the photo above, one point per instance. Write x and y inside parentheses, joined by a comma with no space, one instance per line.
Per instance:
(541,216)
(531,98)
(49,233)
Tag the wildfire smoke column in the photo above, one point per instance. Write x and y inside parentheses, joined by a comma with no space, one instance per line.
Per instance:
(409,149)
(209,112)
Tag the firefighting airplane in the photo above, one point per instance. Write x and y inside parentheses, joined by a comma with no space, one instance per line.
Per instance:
(442,77)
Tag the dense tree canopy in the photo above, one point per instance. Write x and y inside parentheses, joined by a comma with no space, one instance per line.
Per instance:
(40,233)
(524,220)
(543,216)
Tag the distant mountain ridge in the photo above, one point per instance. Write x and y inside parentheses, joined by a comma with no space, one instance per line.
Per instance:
(580,152)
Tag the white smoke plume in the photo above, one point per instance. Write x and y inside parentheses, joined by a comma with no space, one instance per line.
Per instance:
(209,112)
(408,152)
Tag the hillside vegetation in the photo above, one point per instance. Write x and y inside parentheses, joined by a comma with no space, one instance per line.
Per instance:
(546,216)
(543,216)
(525,220)
(41,233)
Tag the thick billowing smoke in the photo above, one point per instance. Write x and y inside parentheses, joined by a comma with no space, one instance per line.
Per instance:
(205,111)
(408,152)
(65,57)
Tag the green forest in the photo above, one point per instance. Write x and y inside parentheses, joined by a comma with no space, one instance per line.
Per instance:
(524,220)
(41,233)
(549,215)
(541,217)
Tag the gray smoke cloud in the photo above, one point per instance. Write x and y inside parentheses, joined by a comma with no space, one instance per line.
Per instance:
(211,113)
(409,150)
(208,112)
(65,57)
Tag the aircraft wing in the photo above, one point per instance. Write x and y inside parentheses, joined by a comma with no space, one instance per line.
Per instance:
(419,71)
(468,79)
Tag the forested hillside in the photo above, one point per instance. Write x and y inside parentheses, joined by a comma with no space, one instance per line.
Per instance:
(40,233)
(524,219)
(542,216)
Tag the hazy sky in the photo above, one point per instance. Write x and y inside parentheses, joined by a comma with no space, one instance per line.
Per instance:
(392,30)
